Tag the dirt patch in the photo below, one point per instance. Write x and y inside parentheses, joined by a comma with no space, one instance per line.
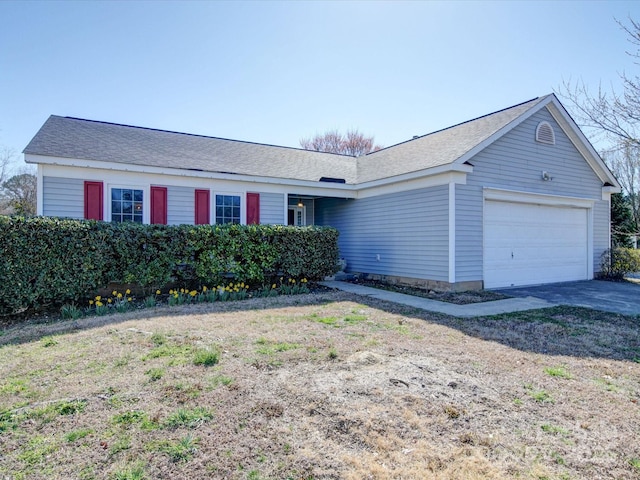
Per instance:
(326,386)
(459,298)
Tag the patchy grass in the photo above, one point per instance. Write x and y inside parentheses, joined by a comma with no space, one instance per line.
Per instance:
(321,386)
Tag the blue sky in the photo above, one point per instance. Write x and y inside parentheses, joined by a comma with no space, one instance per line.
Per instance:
(273,72)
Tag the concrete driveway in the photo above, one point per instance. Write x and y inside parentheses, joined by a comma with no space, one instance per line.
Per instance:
(617,297)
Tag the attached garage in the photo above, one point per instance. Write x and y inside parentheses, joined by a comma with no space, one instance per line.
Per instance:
(535,243)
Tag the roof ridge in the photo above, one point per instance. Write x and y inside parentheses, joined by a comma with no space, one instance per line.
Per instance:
(200,135)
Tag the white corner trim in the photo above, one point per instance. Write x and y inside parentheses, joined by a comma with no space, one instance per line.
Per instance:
(452,233)
(536,198)
(39,191)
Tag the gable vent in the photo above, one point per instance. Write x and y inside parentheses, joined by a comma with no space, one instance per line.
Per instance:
(544,133)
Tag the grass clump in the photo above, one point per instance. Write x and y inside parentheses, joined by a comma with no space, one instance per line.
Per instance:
(180,451)
(558,372)
(155,374)
(554,429)
(131,472)
(189,418)
(207,357)
(78,434)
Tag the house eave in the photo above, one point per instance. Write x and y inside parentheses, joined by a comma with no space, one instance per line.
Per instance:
(332,189)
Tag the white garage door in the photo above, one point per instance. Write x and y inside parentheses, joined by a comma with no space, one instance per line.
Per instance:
(527,244)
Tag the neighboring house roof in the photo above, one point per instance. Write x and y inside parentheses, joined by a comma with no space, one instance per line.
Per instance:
(76,138)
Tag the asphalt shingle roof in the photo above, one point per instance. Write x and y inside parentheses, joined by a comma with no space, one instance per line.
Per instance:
(68,137)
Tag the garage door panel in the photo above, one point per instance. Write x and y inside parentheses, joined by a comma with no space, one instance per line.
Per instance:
(527,244)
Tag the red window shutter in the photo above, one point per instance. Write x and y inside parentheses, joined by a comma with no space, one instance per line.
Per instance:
(202,207)
(253,208)
(159,205)
(93,201)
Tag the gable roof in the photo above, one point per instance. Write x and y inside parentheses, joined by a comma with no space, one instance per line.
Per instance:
(74,138)
(438,148)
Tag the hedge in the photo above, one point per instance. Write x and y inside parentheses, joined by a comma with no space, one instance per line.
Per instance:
(51,261)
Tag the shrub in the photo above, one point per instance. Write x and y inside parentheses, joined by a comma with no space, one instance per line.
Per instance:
(618,262)
(50,261)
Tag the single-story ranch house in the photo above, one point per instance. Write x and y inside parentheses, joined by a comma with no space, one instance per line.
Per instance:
(516,197)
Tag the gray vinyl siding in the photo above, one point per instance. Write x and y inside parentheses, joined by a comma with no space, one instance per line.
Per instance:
(515,162)
(63,197)
(469,251)
(272,208)
(181,204)
(409,230)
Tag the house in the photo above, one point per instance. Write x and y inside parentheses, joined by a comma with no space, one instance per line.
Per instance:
(516,197)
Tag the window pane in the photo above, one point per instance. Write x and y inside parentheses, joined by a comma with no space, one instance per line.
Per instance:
(137,218)
(137,195)
(127,195)
(127,207)
(116,207)
(116,194)
(236,201)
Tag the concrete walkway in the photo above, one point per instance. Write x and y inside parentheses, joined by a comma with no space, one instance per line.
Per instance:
(471,310)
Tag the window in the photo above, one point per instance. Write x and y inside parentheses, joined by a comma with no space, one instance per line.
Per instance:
(126,205)
(227,209)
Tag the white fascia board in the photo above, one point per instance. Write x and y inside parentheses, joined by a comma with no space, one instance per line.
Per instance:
(76,169)
(581,143)
(516,196)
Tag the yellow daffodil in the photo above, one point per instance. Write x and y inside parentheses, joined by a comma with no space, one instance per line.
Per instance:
(98,303)
(128,291)
(273,286)
(90,302)
(119,296)
(158,292)
(98,298)
(204,288)
(129,299)
(114,293)
(193,293)
(109,300)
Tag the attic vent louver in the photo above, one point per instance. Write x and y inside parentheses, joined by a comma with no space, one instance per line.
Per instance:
(545,134)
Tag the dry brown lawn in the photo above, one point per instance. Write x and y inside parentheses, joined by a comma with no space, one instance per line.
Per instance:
(323,386)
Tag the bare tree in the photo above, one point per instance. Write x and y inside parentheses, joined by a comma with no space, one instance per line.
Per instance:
(352,143)
(20,193)
(610,114)
(6,158)
(614,117)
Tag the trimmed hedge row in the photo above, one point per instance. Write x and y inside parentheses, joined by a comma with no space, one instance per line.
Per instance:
(52,261)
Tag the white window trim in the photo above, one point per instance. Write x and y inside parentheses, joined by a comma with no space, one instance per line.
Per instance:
(243,199)
(146,202)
